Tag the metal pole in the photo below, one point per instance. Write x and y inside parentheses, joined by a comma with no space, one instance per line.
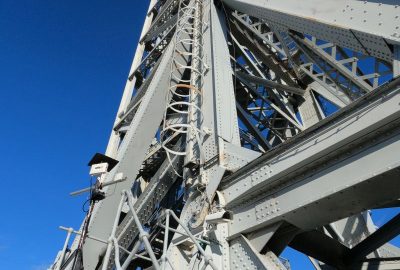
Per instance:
(142,234)
(127,94)
(165,246)
(396,60)
(74,193)
(183,234)
(131,255)
(87,236)
(112,240)
(170,264)
(116,254)
(207,259)
(62,257)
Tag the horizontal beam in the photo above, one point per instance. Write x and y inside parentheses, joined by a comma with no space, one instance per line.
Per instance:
(315,179)
(364,26)
(334,193)
(319,140)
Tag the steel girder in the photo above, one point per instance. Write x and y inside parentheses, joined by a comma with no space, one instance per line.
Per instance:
(365,26)
(274,171)
(366,124)
(141,132)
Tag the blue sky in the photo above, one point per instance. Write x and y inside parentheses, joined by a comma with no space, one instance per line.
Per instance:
(63,65)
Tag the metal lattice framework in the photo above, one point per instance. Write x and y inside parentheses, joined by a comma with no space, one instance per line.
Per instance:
(247,127)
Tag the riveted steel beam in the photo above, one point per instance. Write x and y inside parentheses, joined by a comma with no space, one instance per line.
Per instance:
(322,164)
(364,26)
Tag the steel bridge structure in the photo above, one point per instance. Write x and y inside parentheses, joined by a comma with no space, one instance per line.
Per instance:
(246,127)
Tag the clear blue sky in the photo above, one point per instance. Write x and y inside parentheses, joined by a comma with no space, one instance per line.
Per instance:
(63,65)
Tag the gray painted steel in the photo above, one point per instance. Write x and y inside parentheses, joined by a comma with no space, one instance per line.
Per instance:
(227,153)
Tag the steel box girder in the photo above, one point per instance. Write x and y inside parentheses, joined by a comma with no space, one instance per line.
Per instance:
(321,181)
(364,26)
(315,178)
(132,153)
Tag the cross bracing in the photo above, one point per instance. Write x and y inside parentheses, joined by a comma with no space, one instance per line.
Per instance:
(247,127)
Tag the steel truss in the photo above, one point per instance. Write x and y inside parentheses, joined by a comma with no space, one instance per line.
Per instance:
(247,127)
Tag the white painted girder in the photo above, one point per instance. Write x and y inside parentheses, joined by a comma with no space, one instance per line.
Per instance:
(131,155)
(128,90)
(332,194)
(328,193)
(364,26)
(327,176)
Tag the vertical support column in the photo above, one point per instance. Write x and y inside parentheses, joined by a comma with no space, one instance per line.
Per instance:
(113,142)
(111,239)
(196,81)
(114,139)
(225,105)
(396,60)
(131,155)
(220,107)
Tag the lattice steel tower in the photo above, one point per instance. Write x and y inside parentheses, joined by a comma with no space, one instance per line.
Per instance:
(249,126)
